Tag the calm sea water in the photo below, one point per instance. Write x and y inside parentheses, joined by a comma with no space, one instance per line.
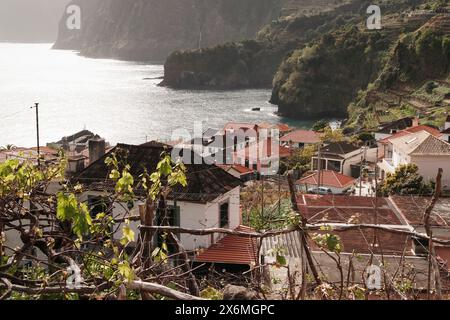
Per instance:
(108,97)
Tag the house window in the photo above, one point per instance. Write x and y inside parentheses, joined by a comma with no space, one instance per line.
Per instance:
(334,165)
(323,164)
(420,246)
(224,215)
(171,218)
(97,205)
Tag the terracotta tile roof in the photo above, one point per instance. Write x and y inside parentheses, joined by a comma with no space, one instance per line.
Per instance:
(430,130)
(239,168)
(253,150)
(328,178)
(413,209)
(432,146)
(302,136)
(411,130)
(356,210)
(231,249)
(283,127)
(342,209)
(239,126)
(242,169)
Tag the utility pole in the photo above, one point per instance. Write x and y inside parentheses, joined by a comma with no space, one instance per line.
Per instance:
(319,165)
(36,105)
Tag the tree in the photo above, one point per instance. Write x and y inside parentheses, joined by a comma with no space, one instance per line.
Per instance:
(300,160)
(330,135)
(60,227)
(405,180)
(320,125)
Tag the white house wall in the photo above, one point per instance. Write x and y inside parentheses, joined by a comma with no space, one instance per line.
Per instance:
(429,165)
(192,216)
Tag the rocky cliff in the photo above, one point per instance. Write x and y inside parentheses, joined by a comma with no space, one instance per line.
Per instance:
(151,29)
(253,63)
(336,75)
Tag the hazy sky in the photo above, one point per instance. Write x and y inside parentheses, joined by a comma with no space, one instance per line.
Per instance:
(30,20)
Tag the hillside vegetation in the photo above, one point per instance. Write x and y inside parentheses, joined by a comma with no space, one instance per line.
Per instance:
(324,62)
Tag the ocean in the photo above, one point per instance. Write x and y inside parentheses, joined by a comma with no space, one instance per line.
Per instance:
(119,100)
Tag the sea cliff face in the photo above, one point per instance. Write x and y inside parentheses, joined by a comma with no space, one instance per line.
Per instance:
(151,29)
(253,63)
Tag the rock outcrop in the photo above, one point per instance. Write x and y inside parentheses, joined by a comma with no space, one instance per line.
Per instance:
(151,29)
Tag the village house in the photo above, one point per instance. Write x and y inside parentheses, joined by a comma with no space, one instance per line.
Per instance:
(446,131)
(362,247)
(332,180)
(47,155)
(81,149)
(389,128)
(210,200)
(421,148)
(241,172)
(264,157)
(342,157)
(301,138)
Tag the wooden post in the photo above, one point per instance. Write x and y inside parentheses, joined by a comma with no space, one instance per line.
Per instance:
(302,232)
(431,251)
(146,212)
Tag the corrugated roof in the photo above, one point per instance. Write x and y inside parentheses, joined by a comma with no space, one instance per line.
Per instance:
(290,242)
(231,249)
(328,178)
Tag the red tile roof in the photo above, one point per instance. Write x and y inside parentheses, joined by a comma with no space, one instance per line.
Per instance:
(242,169)
(239,126)
(411,130)
(252,151)
(239,168)
(430,130)
(328,178)
(302,136)
(342,209)
(413,209)
(356,210)
(283,127)
(231,249)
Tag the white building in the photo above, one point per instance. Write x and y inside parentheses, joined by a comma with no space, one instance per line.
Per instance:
(210,200)
(421,148)
(341,157)
(446,131)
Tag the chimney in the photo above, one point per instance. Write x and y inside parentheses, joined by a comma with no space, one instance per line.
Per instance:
(415,121)
(97,147)
(75,164)
(447,123)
